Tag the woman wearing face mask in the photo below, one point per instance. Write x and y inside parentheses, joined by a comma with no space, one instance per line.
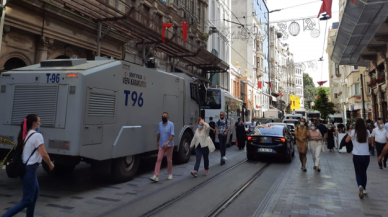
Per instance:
(32,144)
(360,137)
(330,137)
(315,139)
(203,146)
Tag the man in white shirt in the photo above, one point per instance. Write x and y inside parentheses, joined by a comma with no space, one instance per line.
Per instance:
(380,138)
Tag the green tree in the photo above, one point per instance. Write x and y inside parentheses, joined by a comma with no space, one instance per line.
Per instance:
(309,90)
(323,105)
(327,90)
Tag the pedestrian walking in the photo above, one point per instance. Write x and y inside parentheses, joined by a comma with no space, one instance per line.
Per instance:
(383,153)
(222,129)
(315,138)
(212,132)
(330,138)
(341,127)
(361,158)
(203,146)
(301,134)
(32,144)
(165,144)
(379,139)
(241,135)
(252,127)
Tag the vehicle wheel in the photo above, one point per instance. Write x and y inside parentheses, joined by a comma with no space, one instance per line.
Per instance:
(250,157)
(288,157)
(183,155)
(125,168)
(59,169)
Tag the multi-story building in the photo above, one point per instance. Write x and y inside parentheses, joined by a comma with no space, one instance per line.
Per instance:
(251,53)
(347,68)
(299,86)
(130,30)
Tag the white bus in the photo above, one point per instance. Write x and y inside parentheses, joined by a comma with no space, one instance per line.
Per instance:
(301,111)
(218,100)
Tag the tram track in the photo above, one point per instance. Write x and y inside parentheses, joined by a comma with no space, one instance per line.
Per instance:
(169,203)
(224,204)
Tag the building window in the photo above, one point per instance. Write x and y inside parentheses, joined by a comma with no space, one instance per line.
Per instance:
(335,95)
(357,89)
(355,67)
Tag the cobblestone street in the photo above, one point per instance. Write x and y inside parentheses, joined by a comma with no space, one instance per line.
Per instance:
(332,192)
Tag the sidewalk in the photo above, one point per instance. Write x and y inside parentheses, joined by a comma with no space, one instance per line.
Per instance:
(332,192)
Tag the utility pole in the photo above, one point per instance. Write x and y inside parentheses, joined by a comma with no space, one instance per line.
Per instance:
(362,97)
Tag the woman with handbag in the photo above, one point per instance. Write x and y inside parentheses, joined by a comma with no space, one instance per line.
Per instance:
(315,138)
(32,144)
(203,146)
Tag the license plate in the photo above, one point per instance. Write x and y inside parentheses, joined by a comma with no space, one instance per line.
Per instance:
(265,150)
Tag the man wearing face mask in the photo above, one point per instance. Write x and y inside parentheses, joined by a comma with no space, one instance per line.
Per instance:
(380,136)
(222,129)
(165,144)
(301,134)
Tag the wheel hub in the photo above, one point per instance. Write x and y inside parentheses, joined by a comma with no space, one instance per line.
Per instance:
(128,162)
(186,147)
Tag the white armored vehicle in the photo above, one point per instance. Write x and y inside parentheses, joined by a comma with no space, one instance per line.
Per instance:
(102,112)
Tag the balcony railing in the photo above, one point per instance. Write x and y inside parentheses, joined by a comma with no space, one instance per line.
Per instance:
(376,81)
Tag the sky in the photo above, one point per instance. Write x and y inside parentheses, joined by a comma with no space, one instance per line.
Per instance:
(303,46)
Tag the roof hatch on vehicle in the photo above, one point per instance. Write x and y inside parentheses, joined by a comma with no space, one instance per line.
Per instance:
(62,62)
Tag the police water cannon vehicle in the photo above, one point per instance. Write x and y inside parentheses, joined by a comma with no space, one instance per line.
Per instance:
(103,112)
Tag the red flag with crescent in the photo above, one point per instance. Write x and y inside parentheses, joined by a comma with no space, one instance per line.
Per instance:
(165,27)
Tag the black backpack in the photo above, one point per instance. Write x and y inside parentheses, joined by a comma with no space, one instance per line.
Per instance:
(15,166)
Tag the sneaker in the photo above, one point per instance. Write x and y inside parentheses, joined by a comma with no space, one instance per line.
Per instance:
(194,173)
(206,172)
(365,193)
(154,178)
(360,192)
(169,176)
(304,169)
(224,158)
(222,161)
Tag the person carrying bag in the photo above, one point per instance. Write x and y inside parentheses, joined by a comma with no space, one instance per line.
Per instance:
(203,146)
(31,146)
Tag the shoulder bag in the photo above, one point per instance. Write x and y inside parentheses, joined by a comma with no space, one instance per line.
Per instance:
(15,166)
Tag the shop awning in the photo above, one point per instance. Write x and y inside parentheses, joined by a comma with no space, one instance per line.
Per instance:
(359,25)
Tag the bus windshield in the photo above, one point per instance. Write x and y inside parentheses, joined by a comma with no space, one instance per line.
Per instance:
(213,100)
(293,117)
(313,115)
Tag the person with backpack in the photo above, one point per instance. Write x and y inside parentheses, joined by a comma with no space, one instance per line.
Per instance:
(212,133)
(361,156)
(222,129)
(31,144)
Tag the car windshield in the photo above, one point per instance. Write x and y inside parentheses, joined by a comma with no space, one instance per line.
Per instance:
(289,121)
(270,131)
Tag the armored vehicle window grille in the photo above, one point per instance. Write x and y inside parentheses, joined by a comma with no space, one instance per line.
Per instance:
(102,105)
(33,99)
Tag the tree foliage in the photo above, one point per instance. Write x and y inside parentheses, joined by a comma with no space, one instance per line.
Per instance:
(309,90)
(327,90)
(323,105)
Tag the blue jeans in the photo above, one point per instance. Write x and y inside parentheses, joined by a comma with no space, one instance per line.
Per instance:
(222,141)
(361,163)
(30,193)
(199,152)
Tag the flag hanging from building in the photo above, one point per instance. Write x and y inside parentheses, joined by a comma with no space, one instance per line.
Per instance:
(326,7)
(165,27)
(269,83)
(184,30)
(321,83)
(259,84)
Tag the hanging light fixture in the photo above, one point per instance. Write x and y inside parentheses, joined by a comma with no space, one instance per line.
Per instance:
(320,59)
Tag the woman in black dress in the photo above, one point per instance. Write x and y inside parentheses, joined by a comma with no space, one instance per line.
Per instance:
(241,135)
(330,138)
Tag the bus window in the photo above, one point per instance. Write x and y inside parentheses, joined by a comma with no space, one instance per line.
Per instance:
(213,100)
(302,113)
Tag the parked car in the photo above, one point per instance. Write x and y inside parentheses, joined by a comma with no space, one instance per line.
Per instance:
(273,141)
(291,128)
(276,124)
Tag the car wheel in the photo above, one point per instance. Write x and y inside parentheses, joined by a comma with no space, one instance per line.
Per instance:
(250,157)
(288,156)
(183,155)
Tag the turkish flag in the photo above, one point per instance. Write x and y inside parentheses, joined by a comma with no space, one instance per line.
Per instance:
(326,7)
(269,83)
(321,82)
(259,84)
(165,27)
(184,30)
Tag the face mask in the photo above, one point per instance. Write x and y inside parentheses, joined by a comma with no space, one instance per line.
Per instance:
(381,126)
(200,127)
(301,123)
(164,119)
(312,128)
(37,128)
